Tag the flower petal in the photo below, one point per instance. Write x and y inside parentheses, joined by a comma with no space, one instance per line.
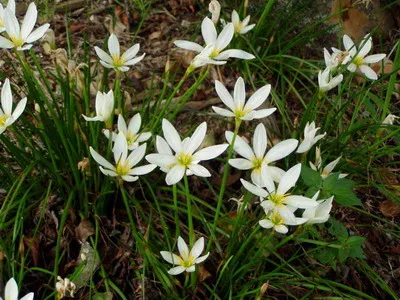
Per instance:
(254,189)
(5,43)
(235,53)
(197,138)
(170,257)
(100,159)
(258,98)
(289,179)
(201,258)
(368,72)
(260,141)
(370,59)
(223,112)
(224,95)
(208,31)
(171,136)
(281,229)
(300,201)
(11,290)
(265,223)
(104,56)
(198,247)
(142,170)
(162,146)
(134,61)
(176,270)
(113,45)
(209,152)
(262,113)
(29,21)
(37,34)
(161,159)
(199,170)
(240,146)
(131,52)
(11,24)
(191,46)
(19,109)
(365,47)
(225,37)
(281,150)
(175,174)
(6,98)
(241,163)
(183,248)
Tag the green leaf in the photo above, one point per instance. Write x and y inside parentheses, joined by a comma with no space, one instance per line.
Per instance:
(337,229)
(356,244)
(310,177)
(342,189)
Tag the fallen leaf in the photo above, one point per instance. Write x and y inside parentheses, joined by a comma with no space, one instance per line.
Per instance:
(390,208)
(84,230)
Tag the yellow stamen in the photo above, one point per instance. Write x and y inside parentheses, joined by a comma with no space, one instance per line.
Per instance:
(185,159)
(122,169)
(358,61)
(3,120)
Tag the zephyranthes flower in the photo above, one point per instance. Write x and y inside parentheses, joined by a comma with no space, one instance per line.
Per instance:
(319,213)
(124,164)
(131,132)
(104,107)
(65,288)
(278,223)
(317,166)
(11,291)
(11,8)
(278,199)
(257,160)
(22,37)
(358,59)
(186,260)
(337,58)
(241,27)
(217,42)
(389,120)
(326,82)
(237,106)
(203,58)
(7,116)
(115,60)
(309,137)
(185,157)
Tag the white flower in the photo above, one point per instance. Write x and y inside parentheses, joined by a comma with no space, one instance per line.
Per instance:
(216,42)
(104,107)
(277,222)
(317,166)
(319,213)
(257,160)
(334,60)
(11,291)
(358,59)
(326,82)
(186,260)
(309,137)
(131,132)
(125,165)
(241,27)
(237,106)
(116,60)
(185,158)
(65,288)
(11,8)
(203,58)
(215,9)
(279,199)
(22,37)
(7,117)
(389,120)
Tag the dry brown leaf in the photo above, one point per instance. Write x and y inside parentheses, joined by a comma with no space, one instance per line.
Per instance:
(84,230)
(203,273)
(390,208)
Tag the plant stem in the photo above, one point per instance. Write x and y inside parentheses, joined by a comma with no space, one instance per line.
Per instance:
(176,212)
(189,209)
(117,91)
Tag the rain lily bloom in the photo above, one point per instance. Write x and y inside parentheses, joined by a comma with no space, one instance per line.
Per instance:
(317,166)
(236,104)
(257,160)
(217,42)
(185,158)
(124,164)
(11,8)
(186,260)
(278,223)
(203,58)
(22,37)
(241,27)
(104,107)
(131,132)
(309,137)
(358,59)
(11,291)
(279,199)
(215,9)
(319,213)
(7,117)
(115,60)
(389,120)
(337,58)
(326,82)
(65,288)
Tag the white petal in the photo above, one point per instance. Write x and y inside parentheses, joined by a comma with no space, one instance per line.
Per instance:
(172,136)
(267,178)
(183,248)
(11,290)
(191,269)
(276,173)
(368,72)
(100,159)
(300,201)
(129,178)
(136,156)
(365,47)
(209,152)
(258,98)
(254,189)
(289,179)
(198,247)
(131,52)
(122,124)
(175,174)
(103,55)
(223,112)
(176,270)
(142,170)
(29,21)
(199,170)
(352,67)
(11,24)
(162,146)
(19,109)
(170,257)
(256,177)
(37,34)
(224,95)
(246,29)
(373,58)
(11,6)
(5,43)
(263,113)
(260,141)
(265,223)
(28,297)
(235,53)
(286,214)
(197,138)
(120,149)
(144,136)
(281,150)
(241,163)
(225,37)
(281,229)
(134,61)
(240,146)
(239,93)
(188,45)
(161,160)
(113,45)
(208,31)
(6,98)
(348,42)
(235,17)
(329,167)
(201,258)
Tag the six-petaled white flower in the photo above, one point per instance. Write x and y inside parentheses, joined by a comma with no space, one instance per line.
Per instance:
(278,199)
(216,42)
(238,107)
(241,27)
(22,37)
(131,132)
(104,107)
(186,260)
(310,137)
(7,116)
(358,59)
(337,58)
(11,291)
(317,166)
(185,157)
(257,160)
(278,223)
(326,82)
(124,163)
(115,60)
(319,213)
(11,8)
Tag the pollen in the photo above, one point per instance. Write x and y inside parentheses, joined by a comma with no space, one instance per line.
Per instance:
(118,61)
(276,219)
(122,169)
(358,61)
(277,199)
(185,159)
(257,163)
(3,120)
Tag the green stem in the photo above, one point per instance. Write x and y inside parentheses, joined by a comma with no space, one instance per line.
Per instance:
(189,210)
(117,92)
(176,212)
(223,184)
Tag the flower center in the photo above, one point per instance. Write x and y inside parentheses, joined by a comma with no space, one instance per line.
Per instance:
(358,61)
(277,199)
(122,169)
(257,163)
(185,159)
(276,219)
(18,41)
(188,262)
(118,61)
(238,27)
(131,138)
(215,53)
(3,120)
(240,113)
